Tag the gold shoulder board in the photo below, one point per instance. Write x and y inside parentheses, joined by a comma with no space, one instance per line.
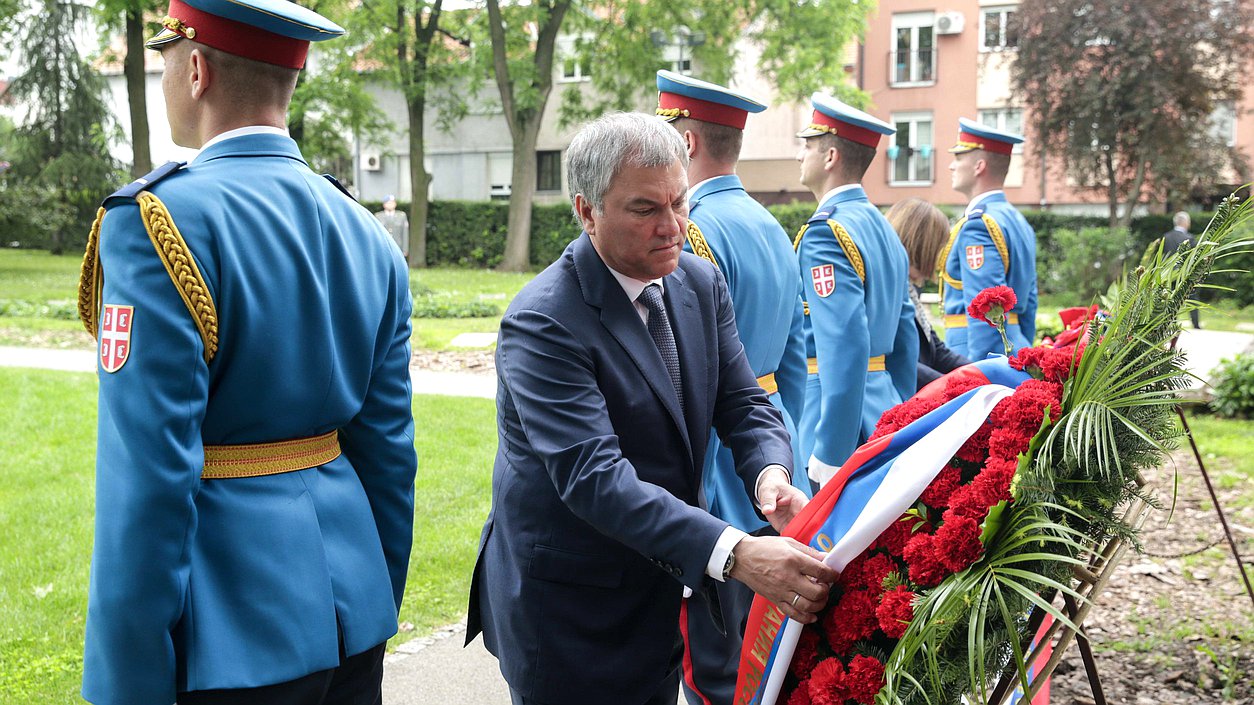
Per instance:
(699,246)
(851,249)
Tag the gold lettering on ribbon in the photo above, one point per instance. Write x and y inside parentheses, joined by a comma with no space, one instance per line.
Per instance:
(824,542)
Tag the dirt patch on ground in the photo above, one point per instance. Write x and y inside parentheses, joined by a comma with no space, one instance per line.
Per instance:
(470,361)
(1175,624)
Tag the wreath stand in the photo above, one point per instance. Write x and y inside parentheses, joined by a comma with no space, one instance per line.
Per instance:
(1091,579)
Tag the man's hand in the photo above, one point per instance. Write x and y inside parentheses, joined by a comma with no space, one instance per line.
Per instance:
(779,500)
(788,573)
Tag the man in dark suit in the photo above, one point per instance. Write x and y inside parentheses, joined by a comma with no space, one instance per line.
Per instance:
(1172,240)
(613,365)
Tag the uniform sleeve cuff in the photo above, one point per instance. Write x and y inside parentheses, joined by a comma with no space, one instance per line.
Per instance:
(820,471)
(722,549)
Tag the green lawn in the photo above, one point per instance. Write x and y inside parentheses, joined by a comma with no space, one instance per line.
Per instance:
(35,279)
(46,508)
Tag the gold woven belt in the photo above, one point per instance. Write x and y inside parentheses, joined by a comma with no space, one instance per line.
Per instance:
(767,382)
(959,320)
(257,459)
(874,364)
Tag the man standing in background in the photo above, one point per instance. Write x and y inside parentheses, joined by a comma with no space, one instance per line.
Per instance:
(396,223)
(750,249)
(1172,240)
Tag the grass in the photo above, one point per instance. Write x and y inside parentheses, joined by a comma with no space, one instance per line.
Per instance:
(46,509)
(1227,447)
(36,276)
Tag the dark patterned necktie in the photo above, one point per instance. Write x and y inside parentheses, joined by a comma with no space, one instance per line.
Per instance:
(663,337)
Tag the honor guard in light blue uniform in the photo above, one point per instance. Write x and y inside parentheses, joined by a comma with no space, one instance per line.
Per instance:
(255,449)
(750,249)
(991,245)
(854,274)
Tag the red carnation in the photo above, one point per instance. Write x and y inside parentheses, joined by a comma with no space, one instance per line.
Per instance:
(992,304)
(1055,364)
(874,570)
(806,656)
(895,611)
(967,501)
(976,447)
(864,678)
(957,543)
(801,694)
(902,415)
(895,537)
(852,619)
(827,683)
(957,385)
(937,493)
(925,569)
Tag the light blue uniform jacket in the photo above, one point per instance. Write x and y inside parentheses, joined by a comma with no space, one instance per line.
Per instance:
(751,251)
(864,312)
(233,583)
(975,258)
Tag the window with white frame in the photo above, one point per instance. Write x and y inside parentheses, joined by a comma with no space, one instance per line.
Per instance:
(573,67)
(911,156)
(1006,119)
(912,62)
(997,29)
(1223,123)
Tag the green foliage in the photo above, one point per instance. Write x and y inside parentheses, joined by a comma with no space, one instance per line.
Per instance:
(444,307)
(1234,387)
(58,310)
(1087,262)
(1095,75)
(63,144)
(328,105)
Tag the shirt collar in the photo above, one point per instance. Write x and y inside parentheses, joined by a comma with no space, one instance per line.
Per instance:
(975,202)
(242,131)
(838,190)
(632,286)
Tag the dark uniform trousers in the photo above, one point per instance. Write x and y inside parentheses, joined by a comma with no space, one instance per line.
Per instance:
(667,692)
(358,680)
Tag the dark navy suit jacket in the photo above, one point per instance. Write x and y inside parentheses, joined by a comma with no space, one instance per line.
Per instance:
(595,525)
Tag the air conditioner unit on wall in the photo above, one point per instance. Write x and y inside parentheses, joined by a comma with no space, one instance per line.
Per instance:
(949,22)
(371,161)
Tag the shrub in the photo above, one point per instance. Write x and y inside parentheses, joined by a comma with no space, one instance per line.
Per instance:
(1086,262)
(442,307)
(1234,387)
(21,308)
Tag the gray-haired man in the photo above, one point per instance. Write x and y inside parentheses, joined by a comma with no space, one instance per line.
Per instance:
(613,365)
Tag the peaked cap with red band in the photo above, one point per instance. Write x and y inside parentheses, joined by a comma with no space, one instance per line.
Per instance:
(834,117)
(972,136)
(683,96)
(272,31)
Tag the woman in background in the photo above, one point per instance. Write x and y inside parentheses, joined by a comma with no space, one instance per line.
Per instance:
(923,229)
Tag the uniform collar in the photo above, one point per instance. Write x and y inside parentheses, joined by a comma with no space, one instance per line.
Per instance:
(250,141)
(849,191)
(986,196)
(714,184)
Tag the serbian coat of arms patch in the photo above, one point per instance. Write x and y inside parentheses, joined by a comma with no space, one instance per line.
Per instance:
(115,336)
(975,256)
(824,277)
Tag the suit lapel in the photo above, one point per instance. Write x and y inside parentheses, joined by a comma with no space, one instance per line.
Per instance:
(685,314)
(619,317)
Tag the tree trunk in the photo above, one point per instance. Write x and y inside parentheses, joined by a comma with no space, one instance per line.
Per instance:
(522,189)
(136,92)
(1134,193)
(1112,190)
(418,182)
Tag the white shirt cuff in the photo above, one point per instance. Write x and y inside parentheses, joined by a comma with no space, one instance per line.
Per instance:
(820,471)
(722,549)
(757,485)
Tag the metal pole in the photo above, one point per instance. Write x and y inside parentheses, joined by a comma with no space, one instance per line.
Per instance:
(1223,520)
